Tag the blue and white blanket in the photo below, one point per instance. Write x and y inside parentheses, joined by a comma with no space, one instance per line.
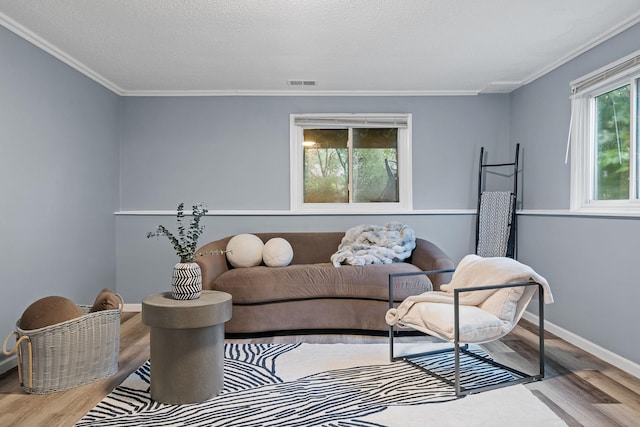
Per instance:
(375,244)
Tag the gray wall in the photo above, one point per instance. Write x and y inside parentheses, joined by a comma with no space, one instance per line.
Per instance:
(61,133)
(58,181)
(232,153)
(242,163)
(590,262)
(591,266)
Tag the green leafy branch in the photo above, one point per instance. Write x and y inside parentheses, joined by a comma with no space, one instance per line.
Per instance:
(186,242)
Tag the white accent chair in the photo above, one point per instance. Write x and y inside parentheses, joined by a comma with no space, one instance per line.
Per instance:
(483,302)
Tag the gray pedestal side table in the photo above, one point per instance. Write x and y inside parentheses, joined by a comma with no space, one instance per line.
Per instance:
(187,345)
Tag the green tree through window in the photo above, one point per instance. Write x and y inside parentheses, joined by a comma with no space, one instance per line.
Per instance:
(326,168)
(364,171)
(613,144)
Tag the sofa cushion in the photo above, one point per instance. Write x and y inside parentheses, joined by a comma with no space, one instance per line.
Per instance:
(309,247)
(268,284)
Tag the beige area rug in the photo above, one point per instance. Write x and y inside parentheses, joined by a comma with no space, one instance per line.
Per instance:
(350,385)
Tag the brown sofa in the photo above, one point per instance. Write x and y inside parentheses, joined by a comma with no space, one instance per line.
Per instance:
(310,294)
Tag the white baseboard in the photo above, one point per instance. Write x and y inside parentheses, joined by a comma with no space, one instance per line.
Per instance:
(132,307)
(8,364)
(594,349)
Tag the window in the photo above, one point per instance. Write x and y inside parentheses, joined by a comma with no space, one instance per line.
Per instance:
(351,162)
(604,138)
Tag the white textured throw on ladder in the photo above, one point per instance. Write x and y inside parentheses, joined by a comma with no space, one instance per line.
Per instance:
(495,223)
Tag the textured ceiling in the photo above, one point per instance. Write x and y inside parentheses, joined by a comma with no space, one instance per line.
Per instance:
(357,46)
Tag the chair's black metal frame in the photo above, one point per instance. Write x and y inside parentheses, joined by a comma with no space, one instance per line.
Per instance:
(512,244)
(458,348)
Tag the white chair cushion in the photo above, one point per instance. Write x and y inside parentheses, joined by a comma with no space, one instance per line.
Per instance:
(476,325)
(503,303)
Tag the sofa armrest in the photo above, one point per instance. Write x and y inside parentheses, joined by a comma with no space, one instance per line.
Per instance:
(427,257)
(212,265)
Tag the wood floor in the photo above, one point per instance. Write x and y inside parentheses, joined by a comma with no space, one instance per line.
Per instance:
(582,390)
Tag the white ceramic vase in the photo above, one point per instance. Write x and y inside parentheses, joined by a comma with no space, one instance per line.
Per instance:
(187,281)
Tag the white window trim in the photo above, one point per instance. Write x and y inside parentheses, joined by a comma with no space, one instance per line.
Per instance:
(405,190)
(582,136)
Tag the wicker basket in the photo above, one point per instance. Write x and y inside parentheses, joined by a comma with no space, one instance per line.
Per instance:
(68,354)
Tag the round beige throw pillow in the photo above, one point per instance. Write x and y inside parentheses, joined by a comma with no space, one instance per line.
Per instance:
(245,250)
(277,252)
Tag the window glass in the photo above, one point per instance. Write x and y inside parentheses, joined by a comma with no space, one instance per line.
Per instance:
(326,166)
(375,165)
(612,145)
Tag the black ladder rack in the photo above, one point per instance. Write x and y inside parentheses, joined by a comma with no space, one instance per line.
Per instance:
(512,242)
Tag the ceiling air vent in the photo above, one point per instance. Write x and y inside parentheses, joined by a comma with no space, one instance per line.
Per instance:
(302,83)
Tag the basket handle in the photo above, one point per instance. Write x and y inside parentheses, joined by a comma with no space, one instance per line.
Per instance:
(6,340)
(16,349)
(121,304)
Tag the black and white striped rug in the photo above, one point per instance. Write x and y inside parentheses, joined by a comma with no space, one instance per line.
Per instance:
(350,385)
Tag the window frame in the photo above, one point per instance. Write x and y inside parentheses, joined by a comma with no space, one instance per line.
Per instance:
(583,141)
(356,120)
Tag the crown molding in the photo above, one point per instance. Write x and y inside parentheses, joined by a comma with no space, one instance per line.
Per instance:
(57,53)
(494,87)
(52,50)
(625,25)
(302,93)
